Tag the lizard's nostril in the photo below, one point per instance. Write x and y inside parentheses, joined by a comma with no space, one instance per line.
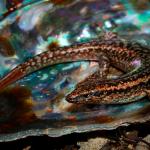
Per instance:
(70,97)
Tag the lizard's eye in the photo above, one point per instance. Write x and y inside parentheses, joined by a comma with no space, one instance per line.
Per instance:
(86,95)
(96,94)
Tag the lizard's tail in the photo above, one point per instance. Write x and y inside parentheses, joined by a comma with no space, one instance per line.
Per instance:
(10,78)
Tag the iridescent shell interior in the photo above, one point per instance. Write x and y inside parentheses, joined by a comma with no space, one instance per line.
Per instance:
(36,104)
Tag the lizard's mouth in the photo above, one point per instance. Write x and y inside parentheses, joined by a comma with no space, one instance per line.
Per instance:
(71,98)
(85,98)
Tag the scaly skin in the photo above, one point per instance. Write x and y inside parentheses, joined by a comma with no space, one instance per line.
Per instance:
(132,58)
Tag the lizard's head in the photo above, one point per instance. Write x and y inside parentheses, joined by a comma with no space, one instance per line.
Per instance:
(82,96)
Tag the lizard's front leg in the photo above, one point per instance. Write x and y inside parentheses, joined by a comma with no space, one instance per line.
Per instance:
(100,74)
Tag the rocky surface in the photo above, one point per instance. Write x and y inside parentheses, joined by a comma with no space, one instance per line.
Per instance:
(133,137)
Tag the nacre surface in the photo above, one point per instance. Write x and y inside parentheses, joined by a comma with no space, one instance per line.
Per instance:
(36,104)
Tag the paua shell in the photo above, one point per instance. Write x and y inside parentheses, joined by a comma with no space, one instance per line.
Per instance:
(36,105)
